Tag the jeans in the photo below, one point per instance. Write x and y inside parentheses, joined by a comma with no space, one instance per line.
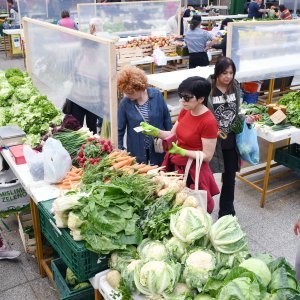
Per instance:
(230,157)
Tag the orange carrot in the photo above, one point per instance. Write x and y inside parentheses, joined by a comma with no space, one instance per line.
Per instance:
(138,166)
(121,158)
(146,169)
(122,163)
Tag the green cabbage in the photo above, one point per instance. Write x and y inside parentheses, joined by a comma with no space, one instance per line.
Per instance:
(152,250)
(16,81)
(190,224)
(176,248)
(156,277)
(227,236)
(198,267)
(120,259)
(240,289)
(181,292)
(203,297)
(259,268)
(13,72)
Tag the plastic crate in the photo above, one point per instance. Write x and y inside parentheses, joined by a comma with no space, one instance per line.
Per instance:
(289,156)
(84,263)
(59,273)
(250,98)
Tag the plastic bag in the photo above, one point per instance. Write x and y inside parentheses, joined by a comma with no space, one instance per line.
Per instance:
(159,57)
(247,144)
(57,161)
(35,162)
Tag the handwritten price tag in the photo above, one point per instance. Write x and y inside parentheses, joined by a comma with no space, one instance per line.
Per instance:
(278,117)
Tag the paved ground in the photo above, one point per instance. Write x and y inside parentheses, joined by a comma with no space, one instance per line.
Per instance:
(269,230)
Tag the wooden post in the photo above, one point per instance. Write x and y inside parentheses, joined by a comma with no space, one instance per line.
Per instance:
(271,90)
(113,95)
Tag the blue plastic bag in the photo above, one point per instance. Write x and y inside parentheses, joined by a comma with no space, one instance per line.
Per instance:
(247,145)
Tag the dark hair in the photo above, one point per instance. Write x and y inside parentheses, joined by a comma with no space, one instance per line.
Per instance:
(221,66)
(10,1)
(197,86)
(225,22)
(65,14)
(195,22)
(282,7)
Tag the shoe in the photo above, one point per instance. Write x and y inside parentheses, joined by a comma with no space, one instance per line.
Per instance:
(9,254)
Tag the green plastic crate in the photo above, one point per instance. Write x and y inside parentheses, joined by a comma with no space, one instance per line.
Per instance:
(59,273)
(84,263)
(289,156)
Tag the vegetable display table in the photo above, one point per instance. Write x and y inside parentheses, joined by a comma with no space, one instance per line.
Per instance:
(271,137)
(38,191)
(171,80)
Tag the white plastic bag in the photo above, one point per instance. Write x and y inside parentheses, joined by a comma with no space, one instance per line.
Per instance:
(35,162)
(159,57)
(57,161)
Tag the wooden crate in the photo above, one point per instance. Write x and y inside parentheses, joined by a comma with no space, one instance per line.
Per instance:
(147,49)
(172,66)
(25,220)
(125,55)
(168,49)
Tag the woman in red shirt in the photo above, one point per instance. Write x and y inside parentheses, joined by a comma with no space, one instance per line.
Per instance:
(196,130)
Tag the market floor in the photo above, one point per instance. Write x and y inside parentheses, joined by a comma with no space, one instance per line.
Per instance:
(268,229)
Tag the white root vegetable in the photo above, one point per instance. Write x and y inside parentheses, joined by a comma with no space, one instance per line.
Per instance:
(113,277)
(163,192)
(180,198)
(190,201)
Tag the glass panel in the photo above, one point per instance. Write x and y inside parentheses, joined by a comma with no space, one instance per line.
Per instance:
(129,18)
(49,10)
(264,50)
(70,66)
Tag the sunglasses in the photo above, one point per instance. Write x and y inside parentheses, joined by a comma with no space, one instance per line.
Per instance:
(186,98)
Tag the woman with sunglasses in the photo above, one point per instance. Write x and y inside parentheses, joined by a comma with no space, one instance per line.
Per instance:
(224,102)
(195,130)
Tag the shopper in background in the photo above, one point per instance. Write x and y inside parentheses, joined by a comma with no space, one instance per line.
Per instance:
(297,264)
(196,130)
(284,13)
(223,45)
(6,253)
(196,40)
(224,101)
(172,24)
(13,20)
(255,10)
(139,104)
(66,21)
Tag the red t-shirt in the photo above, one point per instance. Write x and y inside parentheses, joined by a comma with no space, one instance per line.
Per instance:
(191,129)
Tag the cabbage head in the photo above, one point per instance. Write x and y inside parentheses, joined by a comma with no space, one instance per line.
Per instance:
(227,236)
(259,268)
(231,260)
(154,278)
(152,250)
(180,292)
(198,267)
(242,288)
(176,248)
(119,260)
(190,224)
(128,274)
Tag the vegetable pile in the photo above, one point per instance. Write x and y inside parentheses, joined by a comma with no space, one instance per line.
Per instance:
(21,104)
(292,102)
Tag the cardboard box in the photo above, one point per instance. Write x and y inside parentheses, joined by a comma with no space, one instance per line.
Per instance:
(25,221)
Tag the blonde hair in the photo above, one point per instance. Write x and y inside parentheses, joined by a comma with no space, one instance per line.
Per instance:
(132,79)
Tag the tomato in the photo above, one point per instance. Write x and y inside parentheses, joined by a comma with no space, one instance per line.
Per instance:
(80,154)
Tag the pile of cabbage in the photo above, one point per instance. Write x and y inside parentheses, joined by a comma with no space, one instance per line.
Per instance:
(200,260)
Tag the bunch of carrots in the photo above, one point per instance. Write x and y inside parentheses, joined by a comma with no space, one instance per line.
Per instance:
(121,160)
(72,179)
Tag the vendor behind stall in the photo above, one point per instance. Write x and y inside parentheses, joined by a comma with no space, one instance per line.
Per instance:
(13,21)
(66,21)
(172,23)
(196,40)
(284,13)
(255,9)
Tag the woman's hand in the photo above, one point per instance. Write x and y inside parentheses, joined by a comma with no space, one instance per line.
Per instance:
(149,129)
(177,150)
(297,227)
